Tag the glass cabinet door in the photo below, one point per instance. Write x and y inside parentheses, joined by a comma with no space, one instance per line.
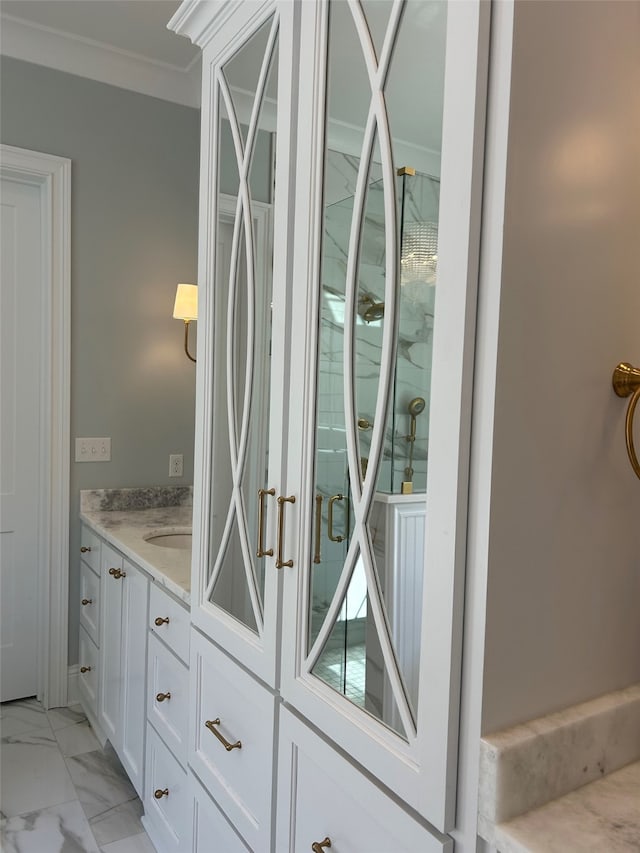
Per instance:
(371,658)
(245,225)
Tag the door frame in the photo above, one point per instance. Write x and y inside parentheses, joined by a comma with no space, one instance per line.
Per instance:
(52,175)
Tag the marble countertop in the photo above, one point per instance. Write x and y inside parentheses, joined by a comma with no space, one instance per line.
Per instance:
(601,816)
(126,529)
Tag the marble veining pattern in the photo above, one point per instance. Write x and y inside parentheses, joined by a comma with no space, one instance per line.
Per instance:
(100,781)
(59,829)
(120,500)
(524,767)
(602,816)
(126,529)
(41,810)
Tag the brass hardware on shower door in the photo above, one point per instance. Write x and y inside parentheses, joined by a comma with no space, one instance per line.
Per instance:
(332,500)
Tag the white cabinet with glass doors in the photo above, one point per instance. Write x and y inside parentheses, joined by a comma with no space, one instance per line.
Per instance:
(338,254)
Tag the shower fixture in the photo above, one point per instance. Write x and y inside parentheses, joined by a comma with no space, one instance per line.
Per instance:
(369,309)
(415,408)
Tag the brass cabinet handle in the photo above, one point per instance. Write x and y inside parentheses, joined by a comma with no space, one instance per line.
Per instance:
(84,669)
(316,553)
(159,793)
(161,620)
(318,846)
(117,574)
(261,494)
(112,571)
(332,500)
(86,601)
(280,563)
(162,696)
(211,725)
(85,549)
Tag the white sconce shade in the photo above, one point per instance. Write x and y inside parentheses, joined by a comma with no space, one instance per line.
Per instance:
(186,304)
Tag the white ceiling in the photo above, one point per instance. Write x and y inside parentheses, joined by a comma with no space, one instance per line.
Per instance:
(122,42)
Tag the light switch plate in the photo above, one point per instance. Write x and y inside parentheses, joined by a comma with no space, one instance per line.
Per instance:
(93,450)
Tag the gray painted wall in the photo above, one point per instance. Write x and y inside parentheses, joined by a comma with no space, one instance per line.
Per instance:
(134,237)
(563,621)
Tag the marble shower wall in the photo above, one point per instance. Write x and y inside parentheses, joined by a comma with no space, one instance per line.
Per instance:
(413,370)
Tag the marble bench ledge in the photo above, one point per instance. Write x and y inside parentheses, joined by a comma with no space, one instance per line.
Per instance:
(603,816)
(540,761)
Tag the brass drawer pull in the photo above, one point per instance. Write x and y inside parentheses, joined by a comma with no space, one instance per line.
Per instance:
(261,495)
(159,793)
(162,696)
(161,620)
(280,563)
(85,549)
(318,846)
(117,573)
(211,725)
(316,554)
(86,601)
(332,500)
(84,669)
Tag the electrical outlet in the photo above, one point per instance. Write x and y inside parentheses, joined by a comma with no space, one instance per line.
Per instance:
(93,450)
(175,465)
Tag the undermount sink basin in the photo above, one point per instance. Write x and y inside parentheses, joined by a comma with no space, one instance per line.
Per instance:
(180,539)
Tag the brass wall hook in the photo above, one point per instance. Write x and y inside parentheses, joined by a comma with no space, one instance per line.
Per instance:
(626,383)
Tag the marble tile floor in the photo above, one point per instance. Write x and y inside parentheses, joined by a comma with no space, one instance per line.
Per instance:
(60,792)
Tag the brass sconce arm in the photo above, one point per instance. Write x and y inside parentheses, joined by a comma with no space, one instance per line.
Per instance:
(626,383)
(186,340)
(186,308)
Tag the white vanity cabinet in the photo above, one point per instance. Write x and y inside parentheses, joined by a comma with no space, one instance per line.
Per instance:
(167,799)
(89,639)
(340,183)
(123,658)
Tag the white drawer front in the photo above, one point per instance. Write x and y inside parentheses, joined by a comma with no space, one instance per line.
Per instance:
(322,796)
(90,602)
(169,620)
(211,830)
(88,672)
(239,779)
(169,812)
(90,548)
(168,697)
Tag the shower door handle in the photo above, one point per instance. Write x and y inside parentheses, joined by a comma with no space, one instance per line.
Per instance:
(332,500)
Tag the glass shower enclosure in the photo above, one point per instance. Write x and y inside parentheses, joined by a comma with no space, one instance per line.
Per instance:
(351,660)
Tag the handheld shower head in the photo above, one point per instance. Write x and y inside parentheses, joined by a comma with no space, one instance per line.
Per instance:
(416,406)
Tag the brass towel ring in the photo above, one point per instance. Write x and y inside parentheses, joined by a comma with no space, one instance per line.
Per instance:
(626,383)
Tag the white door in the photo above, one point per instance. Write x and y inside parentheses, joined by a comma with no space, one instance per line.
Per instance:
(382,341)
(243,306)
(21,317)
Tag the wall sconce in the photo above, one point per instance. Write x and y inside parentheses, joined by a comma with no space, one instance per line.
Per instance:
(186,308)
(626,383)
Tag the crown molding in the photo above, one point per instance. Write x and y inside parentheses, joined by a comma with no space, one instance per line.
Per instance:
(87,58)
(200,20)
